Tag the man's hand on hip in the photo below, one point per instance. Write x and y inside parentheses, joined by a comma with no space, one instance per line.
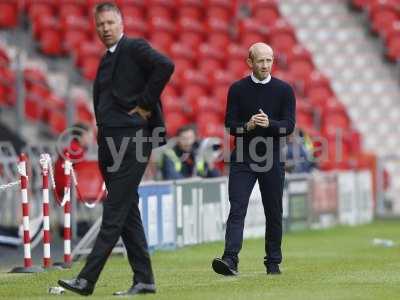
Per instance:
(145,114)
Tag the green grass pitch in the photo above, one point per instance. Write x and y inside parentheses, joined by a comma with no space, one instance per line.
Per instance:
(338,263)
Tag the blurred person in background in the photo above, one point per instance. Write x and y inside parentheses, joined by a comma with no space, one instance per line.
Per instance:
(299,153)
(184,160)
(260,112)
(126,96)
(80,139)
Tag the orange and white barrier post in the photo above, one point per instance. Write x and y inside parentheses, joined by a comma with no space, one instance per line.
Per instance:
(67,212)
(28,267)
(46,213)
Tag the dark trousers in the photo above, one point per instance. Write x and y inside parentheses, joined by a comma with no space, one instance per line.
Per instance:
(121,215)
(241,182)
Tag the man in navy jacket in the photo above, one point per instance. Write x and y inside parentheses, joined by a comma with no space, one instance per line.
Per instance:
(260,113)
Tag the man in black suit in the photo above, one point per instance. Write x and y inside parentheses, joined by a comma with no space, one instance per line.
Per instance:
(126,92)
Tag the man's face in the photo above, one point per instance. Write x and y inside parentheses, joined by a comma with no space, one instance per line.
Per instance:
(261,63)
(186,140)
(109,27)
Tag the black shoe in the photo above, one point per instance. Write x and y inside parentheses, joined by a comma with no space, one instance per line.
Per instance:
(138,288)
(78,285)
(225,266)
(273,269)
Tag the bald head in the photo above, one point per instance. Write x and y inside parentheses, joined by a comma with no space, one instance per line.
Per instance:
(259,48)
(260,60)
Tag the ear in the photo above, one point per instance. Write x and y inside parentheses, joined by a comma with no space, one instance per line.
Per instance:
(249,63)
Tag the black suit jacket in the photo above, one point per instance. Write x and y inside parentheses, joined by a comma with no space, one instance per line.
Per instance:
(139,75)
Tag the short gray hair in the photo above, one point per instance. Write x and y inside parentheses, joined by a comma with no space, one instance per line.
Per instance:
(107,6)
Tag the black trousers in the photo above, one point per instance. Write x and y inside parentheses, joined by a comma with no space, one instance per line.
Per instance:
(121,215)
(242,179)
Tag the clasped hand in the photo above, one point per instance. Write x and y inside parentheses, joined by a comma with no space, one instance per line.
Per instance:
(260,119)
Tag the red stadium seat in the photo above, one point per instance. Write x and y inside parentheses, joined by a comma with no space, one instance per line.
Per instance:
(40,90)
(8,15)
(192,91)
(237,51)
(89,67)
(33,107)
(174,121)
(220,94)
(51,42)
(208,66)
(226,4)
(252,31)
(304,114)
(284,75)
(282,38)
(40,9)
(165,3)
(88,48)
(361,4)
(221,77)
(43,23)
(208,122)
(3,95)
(190,11)
(316,79)
(132,11)
(249,25)
(190,77)
(83,113)
(210,51)
(57,121)
(250,38)
(73,39)
(217,25)
(190,3)
(169,91)
(159,12)
(301,70)
(393,47)
(238,67)
(189,25)
(173,104)
(319,95)
(190,38)
(134,26)
(181,65)
(190,31)
(298,52)
(162,40)
(219,39)
(182,51)
(73,22)
(136,3)
(207,104)
(266,11)
(334,117)
(382,15)
(90,180)
(212,130)
(66,10)
(218,12)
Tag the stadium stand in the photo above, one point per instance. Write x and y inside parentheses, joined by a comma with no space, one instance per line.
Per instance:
(384,18)
(199,36)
